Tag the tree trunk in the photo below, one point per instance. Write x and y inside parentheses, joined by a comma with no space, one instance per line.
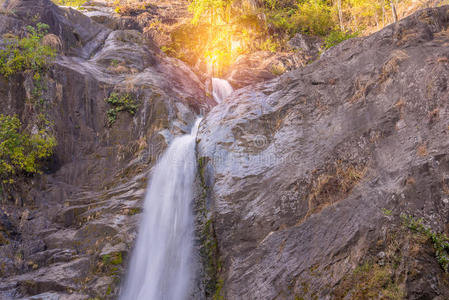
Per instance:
(340,15)
(393,10)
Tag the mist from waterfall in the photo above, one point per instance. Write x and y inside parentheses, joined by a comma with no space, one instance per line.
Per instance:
(162,266)
(221,89)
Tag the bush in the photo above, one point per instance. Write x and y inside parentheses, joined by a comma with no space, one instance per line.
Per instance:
(315,17)
(26,53)
(120,102)
(336,37)
(21,153)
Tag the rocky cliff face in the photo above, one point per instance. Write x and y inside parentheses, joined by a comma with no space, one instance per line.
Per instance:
(306,175)
(67,233)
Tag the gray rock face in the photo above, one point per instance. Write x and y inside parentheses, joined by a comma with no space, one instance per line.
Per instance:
(68,232)
(261,66)
(307,175)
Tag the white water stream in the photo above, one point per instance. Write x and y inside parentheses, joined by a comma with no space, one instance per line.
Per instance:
(162,266)
(221,89)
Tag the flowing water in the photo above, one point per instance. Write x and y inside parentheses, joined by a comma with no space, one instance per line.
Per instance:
(221,89)
(162,266)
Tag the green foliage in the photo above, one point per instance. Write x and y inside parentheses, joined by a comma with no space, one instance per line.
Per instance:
(26,53)
(20,152)
(315,17)
(121,102)
(387,212)
(284,20)
(218,293)
(439,241)
(112,259)
(270,44)
(74,3)
(336,37)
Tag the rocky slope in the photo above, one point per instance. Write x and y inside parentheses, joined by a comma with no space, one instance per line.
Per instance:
(66,234)
(306,175)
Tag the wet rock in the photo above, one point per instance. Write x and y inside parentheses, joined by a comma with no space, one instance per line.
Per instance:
(298,170)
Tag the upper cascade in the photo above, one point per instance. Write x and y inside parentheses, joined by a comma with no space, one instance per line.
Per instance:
(221,89)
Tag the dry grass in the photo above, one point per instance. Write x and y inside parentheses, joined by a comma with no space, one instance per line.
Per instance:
(443,59)
(119,69)
(410,181)
(400,103)
(422,150)
(391,66)
(333,185)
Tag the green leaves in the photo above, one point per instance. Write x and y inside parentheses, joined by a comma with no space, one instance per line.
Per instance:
(21,152)
(26,53)
(336,37)
(121,102)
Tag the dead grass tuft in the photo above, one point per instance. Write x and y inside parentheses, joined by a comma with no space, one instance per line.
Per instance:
(334,185)
(422,150)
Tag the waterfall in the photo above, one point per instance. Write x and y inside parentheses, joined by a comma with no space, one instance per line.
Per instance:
(162,266)
(221,89)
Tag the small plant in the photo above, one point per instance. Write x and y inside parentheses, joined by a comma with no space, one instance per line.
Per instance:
(336,37)
(119,103)
(114,63)
(278,69)
(387,212)
(26,53)
(439,241)
(112,259)
(21,152)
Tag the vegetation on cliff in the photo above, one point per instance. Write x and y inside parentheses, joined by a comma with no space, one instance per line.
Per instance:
(26,53)
(22,153)
(120,102)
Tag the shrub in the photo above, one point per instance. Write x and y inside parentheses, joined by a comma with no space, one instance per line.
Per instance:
(120,102)
(315,17)
(21,153)
(336,37)
(26,53)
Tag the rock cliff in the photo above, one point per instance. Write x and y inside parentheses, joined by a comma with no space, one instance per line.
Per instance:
(306,175)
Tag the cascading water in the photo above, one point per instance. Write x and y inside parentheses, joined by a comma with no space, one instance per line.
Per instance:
(221,89)
(162,266)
